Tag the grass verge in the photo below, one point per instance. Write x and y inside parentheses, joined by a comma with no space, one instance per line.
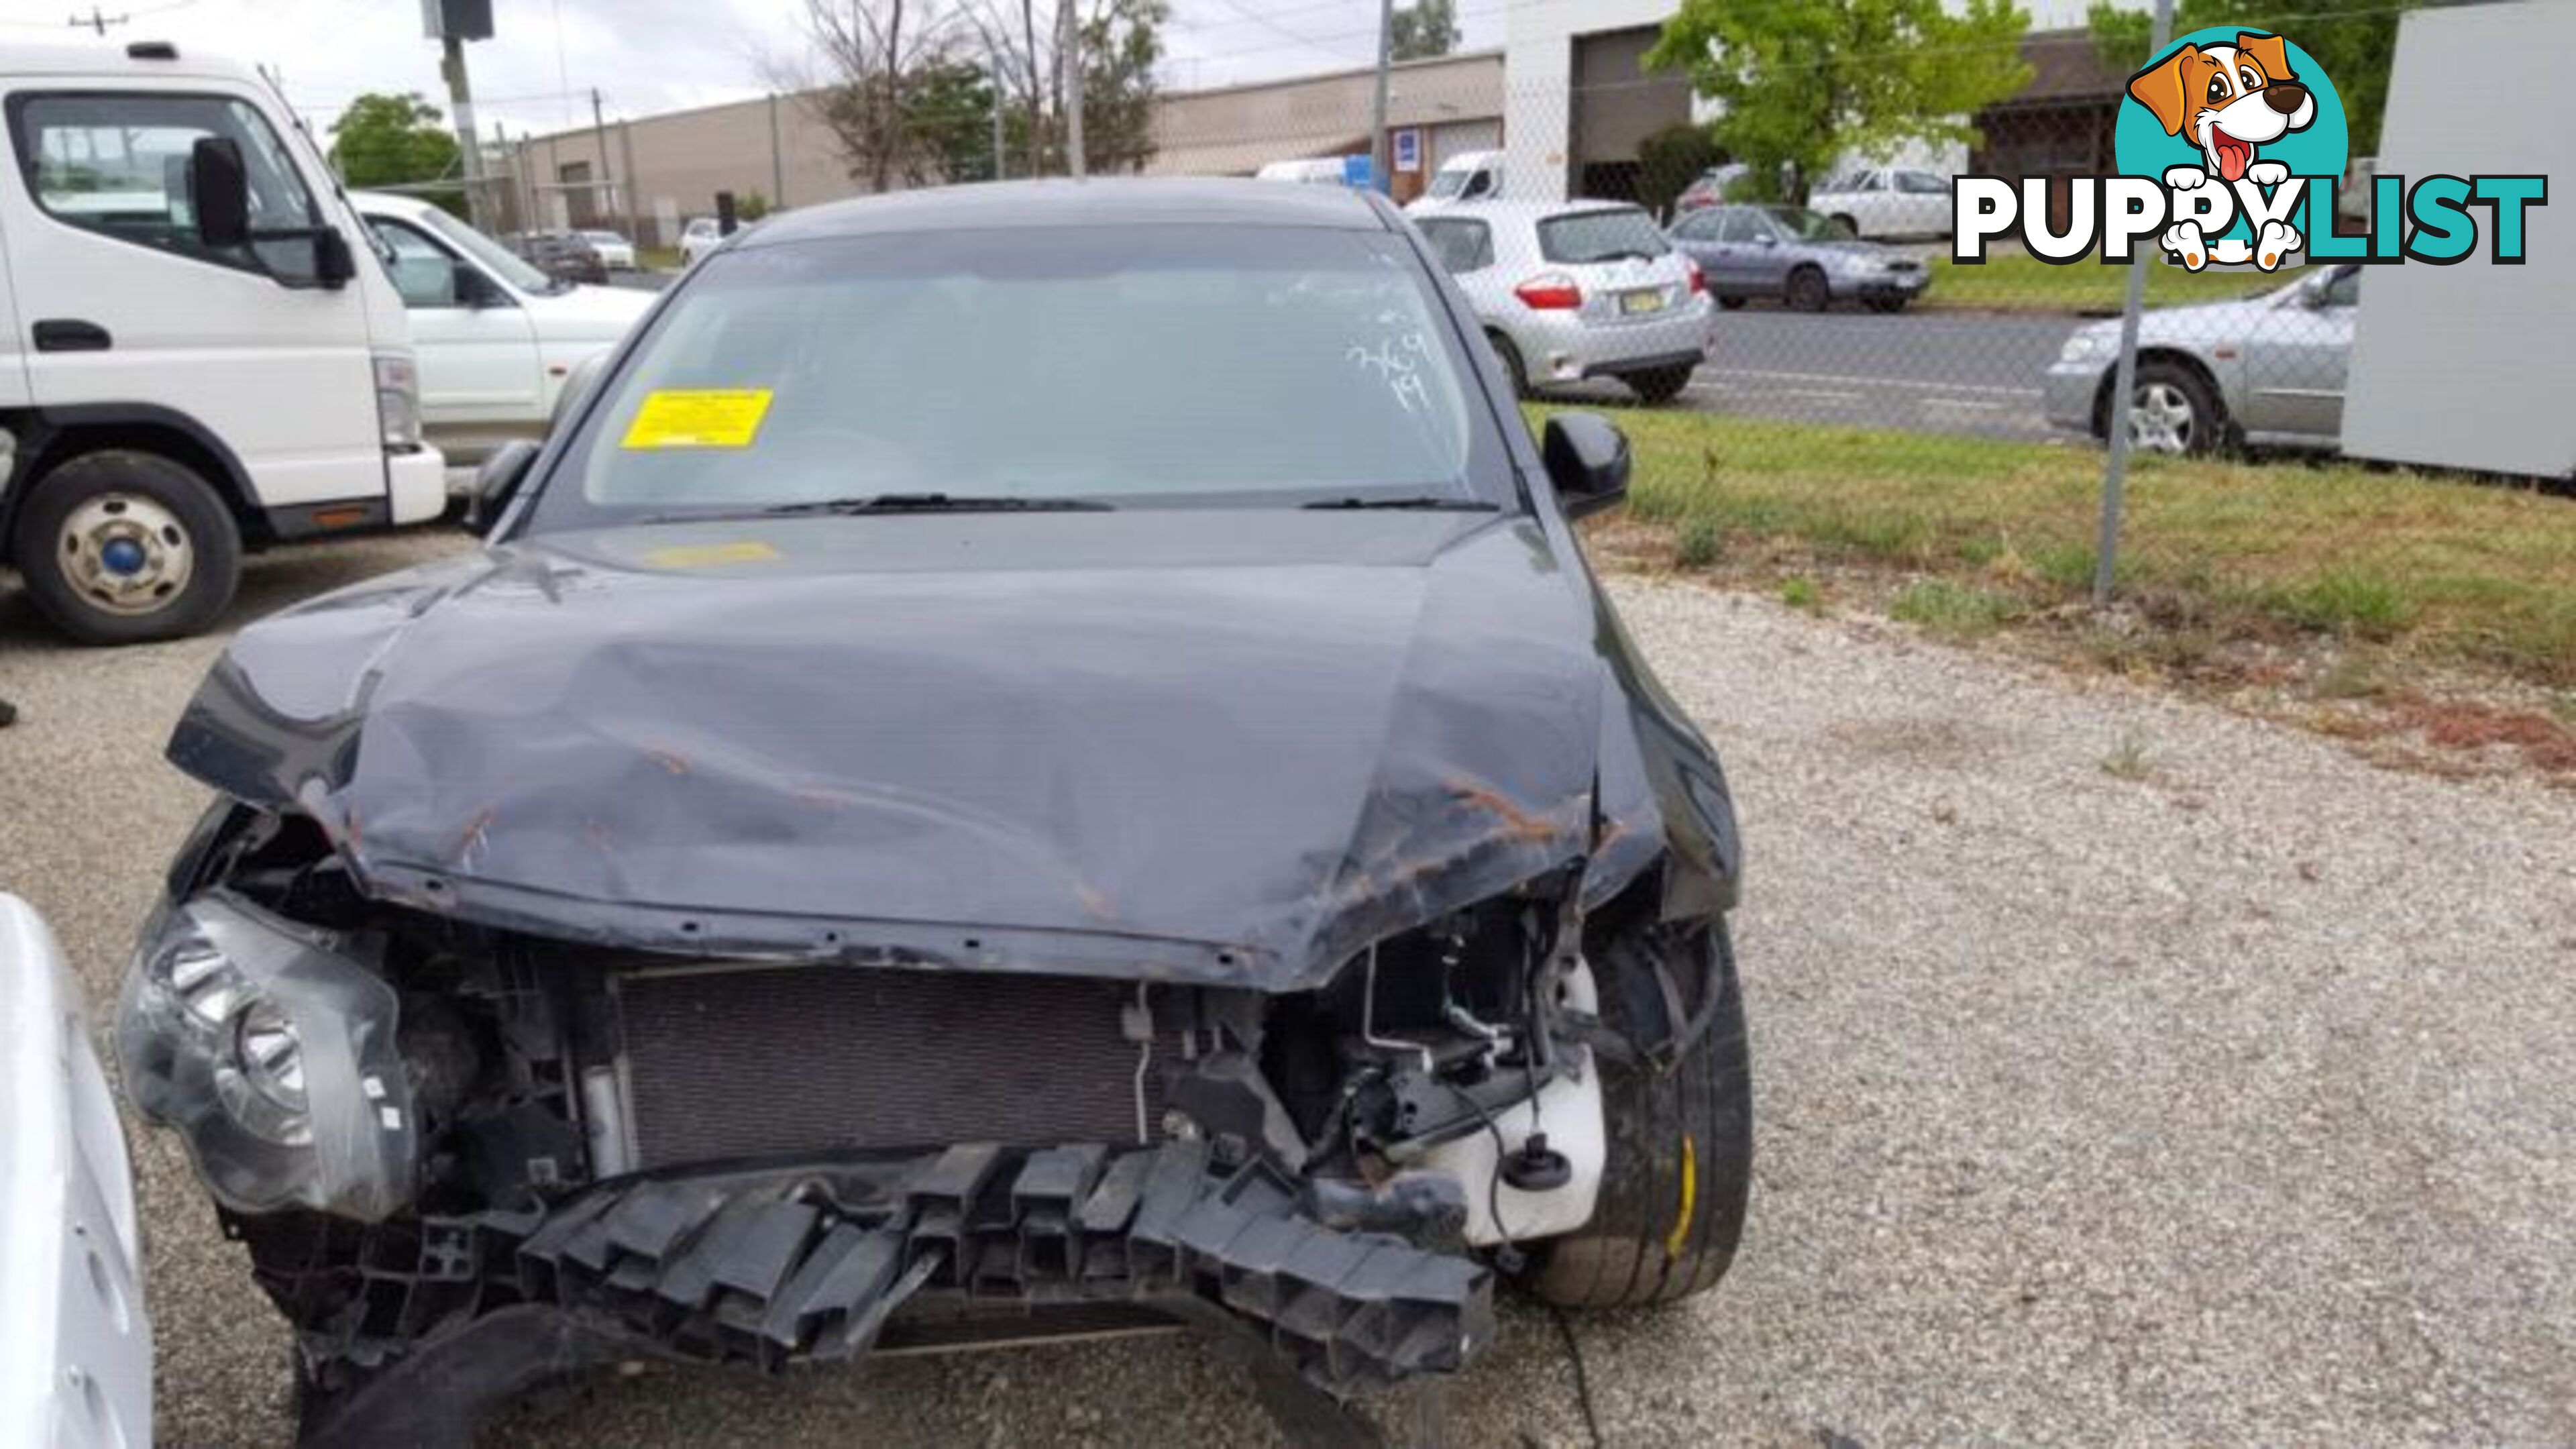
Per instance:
(2356,587)
(2016,281)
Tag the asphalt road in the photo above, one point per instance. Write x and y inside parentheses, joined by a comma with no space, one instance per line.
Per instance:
(2222,1104)
(1973,373)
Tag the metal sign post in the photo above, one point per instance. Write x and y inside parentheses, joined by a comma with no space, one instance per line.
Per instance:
(2124,381)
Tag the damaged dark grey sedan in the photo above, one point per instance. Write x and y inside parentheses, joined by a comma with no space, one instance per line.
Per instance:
(1027,760)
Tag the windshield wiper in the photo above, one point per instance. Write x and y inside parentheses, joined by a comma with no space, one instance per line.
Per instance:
(890,503)
(937,503)
(1424,502)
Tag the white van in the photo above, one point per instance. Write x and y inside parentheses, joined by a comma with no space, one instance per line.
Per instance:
(1467,176)
(1312,171)
(198,351)
(496,337)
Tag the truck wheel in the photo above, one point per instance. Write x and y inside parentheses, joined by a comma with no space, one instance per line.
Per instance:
(124,547)
(1681,1143)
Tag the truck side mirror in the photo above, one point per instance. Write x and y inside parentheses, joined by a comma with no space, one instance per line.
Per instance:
(496,483)
(219,193)
(1587,460)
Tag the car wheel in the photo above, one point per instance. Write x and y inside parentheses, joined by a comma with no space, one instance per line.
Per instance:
(1731,304)
(1510,357)
(124,547)
(1661,385)
(2171,410)
(1680,1165)
(1807,291)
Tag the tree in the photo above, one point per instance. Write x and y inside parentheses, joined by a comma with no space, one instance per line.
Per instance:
(2352,43)
(1669,161)
(1423,29)
(874,53)
(390,140)
(1122,44)
(1803,82)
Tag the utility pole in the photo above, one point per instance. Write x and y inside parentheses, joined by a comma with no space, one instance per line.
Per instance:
(634,183)
(604,195)
(2124,381)
(1000,161)
(1380,163)
(460,102)
(94,20)
(1069,61)
(777,160)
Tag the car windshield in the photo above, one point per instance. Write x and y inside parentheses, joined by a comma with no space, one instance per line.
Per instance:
(487,253)
(1800,224)
(1600,236)
(1449,181)
(1128,366)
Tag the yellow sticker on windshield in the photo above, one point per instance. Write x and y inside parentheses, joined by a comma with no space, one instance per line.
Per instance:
(699,418)
(711,555)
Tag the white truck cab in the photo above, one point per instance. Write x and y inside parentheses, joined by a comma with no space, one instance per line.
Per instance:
(199,352)
(1466,177)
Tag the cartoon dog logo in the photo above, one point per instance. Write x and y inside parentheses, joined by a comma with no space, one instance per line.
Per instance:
(2228,100)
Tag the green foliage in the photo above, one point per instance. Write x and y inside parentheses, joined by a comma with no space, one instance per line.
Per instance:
(2352,42)
(1122,44)
(751,206)
(390,140)
(2349,600)
(1424,29)
(1954,609)
(1699,545)
(1669,161)
(1806,81)
(950,118)
(1800,592)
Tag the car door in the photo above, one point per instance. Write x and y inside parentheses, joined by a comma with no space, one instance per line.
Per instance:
(2298,357)
(123,306)
(476,345)
(1761,259)
(1865,202)
(1694,235)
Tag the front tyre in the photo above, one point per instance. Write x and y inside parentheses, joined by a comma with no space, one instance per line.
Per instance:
(1808,291)
(125,547)
(1680,1166)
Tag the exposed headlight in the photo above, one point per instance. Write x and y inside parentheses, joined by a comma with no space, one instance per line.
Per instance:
(272,1054)
(2087,344)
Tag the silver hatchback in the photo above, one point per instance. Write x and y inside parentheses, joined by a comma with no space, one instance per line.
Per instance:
(1573,290)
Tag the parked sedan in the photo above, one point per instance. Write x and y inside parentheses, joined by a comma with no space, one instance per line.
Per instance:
(563,255)
(2267,370)
(702,235)
(75,1337)
(1797,257)
(1578,289)
(615,252)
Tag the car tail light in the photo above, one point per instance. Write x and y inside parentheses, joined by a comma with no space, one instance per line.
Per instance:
(398,401)
(1698,279)
(1549,292)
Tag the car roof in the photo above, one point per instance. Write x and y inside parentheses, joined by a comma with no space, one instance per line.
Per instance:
(1121,201)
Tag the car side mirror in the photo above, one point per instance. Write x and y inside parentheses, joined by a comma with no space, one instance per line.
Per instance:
(219,193)
(333,263)
(1587,460)
(496,483)
(473,289)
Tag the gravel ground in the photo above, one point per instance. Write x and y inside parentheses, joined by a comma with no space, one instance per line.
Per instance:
(2215,1095)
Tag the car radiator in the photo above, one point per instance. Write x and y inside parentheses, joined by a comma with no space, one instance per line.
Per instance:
(758,1061)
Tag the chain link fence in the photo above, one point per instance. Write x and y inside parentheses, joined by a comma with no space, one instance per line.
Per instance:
(1824,400)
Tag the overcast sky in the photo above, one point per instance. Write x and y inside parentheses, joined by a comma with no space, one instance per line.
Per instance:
(647,56)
